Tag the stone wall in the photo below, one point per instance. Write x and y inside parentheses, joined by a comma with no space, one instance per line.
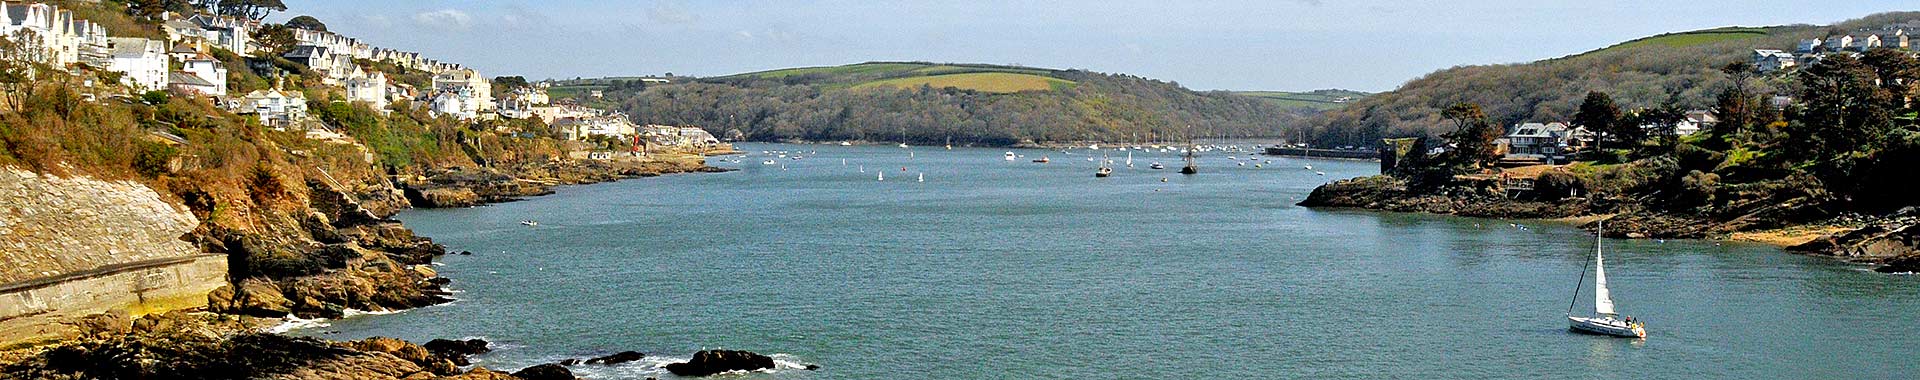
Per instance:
(50,226)
(76,246)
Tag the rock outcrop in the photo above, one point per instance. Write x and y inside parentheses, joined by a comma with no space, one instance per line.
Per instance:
(708,363)
(622,357)
(545,372)
(206,346)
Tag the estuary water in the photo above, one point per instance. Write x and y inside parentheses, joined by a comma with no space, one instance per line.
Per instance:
(996,269)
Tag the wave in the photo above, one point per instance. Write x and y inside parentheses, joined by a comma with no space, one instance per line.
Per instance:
(297,323)
(656,366)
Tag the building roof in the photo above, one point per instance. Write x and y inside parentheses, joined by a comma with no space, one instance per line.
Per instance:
(133,47)
(305,51)
(179,24)
(186,78)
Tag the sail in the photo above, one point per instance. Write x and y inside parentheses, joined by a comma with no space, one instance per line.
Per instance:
(1602,303)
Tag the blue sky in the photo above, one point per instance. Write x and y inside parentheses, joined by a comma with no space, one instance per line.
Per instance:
(1371,45)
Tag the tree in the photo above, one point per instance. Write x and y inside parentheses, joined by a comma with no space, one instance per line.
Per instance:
(1898,73)
(1846,114)
(275,38)
(308,23)
(1737,107)
(251,9)
(1472,136)
(1600,115)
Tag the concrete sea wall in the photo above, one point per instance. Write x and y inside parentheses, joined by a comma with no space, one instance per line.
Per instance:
(76,246)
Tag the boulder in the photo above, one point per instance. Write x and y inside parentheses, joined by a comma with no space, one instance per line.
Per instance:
(545,372)
(399,348)
(622,357)
(457,351)
(711,362)
(260,299)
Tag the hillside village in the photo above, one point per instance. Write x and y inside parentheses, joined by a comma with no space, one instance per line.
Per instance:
(1558,142)
(187,62)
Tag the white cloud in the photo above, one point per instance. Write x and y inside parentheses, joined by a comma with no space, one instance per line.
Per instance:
(449,19)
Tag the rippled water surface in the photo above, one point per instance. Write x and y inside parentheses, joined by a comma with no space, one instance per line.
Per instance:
(994,269)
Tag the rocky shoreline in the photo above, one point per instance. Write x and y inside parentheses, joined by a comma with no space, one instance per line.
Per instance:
(1891,243)
(346,253)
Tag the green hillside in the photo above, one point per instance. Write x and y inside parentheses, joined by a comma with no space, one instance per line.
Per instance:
(924,102)
(1316,99)
(1693,38)
(1682,68)
(994,82)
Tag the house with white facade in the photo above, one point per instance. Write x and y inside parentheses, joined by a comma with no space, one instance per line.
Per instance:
(1808,46)
(459,103)
(204,67)
(37,29)
(276,108)
(474,87)
(1838,43)
(92,41)
(370,87)
(228,33)
(1768,60)
(1538,141)
(143,61)
(1866,42)
(611,125)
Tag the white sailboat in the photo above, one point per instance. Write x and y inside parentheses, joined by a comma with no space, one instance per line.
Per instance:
(1604,323)
(882,176)
(1129,159)
(921,178)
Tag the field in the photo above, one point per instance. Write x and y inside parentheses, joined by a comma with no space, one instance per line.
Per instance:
(1699,37)
(995,82)
(1317,99)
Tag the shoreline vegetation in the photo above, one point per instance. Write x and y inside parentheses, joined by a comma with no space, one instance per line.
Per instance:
(1824,175)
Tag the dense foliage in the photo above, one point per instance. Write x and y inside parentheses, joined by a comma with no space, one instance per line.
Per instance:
(1849,144)
(824,105)
(1683,72)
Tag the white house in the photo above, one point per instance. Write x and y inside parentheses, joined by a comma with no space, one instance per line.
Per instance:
(1536,140)
(460,103)
(468,82)
(276,108)
(1896,39)
(1866,42)
(1767,60)
(227,32)
(1807,46)
(187,83)
(370,87)
(37,29)
(613,125)
(144,61)
(206,68)
(1838,43)
(92,41)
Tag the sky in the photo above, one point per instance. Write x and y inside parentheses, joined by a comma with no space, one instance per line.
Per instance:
(1367,45)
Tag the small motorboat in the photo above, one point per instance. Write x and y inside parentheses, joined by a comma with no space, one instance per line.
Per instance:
(1104,172)
(845,143)
(529,223)
(1043,159)
(1009,156)
(767,162)
(1156,166)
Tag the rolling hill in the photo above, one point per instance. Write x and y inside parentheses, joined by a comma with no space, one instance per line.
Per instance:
(1678,67)
(1316,99)
(926,103)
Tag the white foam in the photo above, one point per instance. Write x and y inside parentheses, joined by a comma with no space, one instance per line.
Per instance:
(297,323)
(350,313)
